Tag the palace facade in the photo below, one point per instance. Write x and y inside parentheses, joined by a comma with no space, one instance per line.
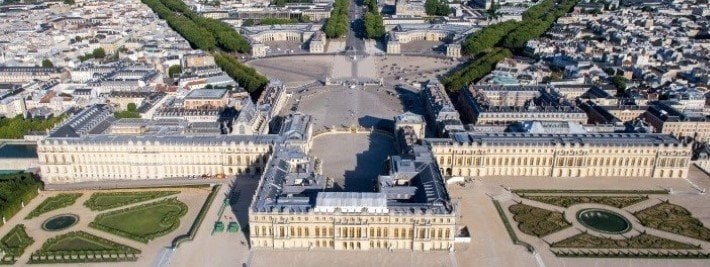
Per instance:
(562,155)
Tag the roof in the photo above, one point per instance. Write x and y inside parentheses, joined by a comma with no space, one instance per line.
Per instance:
(206,94)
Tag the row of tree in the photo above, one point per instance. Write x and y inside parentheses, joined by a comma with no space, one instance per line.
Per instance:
(247,77)
(537,21)
(476,69)
(494,43)
(203,33)
(514,35)
(337,25)
(208,34)
(374,25)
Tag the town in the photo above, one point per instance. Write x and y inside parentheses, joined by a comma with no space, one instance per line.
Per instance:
(350,133)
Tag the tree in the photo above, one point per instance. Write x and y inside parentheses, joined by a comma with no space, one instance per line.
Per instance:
(131,107)
(436,8)
(68,2)
(99,53)
(374,26)
(620,83)
(174,71)
(46,63)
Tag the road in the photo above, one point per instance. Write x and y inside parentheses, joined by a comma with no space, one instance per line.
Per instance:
(354,43)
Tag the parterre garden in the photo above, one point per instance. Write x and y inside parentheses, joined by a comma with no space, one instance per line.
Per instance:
(138,215)
(14,243)
(534,218)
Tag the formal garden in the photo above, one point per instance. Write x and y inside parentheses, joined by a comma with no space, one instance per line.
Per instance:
(53,203)
(75,247)
(144,222)
(598,224)
(14,243)
(108,200)
(674,219)
(536,221)
(49,231)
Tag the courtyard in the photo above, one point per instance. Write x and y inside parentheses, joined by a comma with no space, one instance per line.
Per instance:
(339,106)
(357,161)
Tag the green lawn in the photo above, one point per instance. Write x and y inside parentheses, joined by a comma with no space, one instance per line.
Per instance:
(145,222)
(82,247)
(14,243)
(53,203)
(109,200)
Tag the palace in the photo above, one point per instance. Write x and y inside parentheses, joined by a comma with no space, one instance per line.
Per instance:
(295,208)
(91,146)
(562,155)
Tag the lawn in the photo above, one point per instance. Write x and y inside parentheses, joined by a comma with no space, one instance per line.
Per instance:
(674,219)
(144,222)
(82,247)
(109,200)
(53,203)
(14,243)
(536,221)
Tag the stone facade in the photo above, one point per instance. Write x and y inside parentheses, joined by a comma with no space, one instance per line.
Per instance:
(562,155)
(112,157)
(352,231)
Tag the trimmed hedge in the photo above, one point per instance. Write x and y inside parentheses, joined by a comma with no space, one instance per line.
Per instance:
(509,228)
(642,241)
(673,219)
(536,221)
(554,191)
(14,243)
(53,203)
(108,200)
(567,201)
(76,247)
(198,220)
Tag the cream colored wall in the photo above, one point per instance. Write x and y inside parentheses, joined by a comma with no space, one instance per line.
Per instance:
(563,161)
(70,163)
(352,231)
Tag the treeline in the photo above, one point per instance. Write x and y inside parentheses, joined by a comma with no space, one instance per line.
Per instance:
(536,21)
(488,37)
(374,25)
(18,127)
(202,33)
(208,34)
(16,189)
(246,77)
(475,69)
(494,43)
(337,25)
(514,35)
